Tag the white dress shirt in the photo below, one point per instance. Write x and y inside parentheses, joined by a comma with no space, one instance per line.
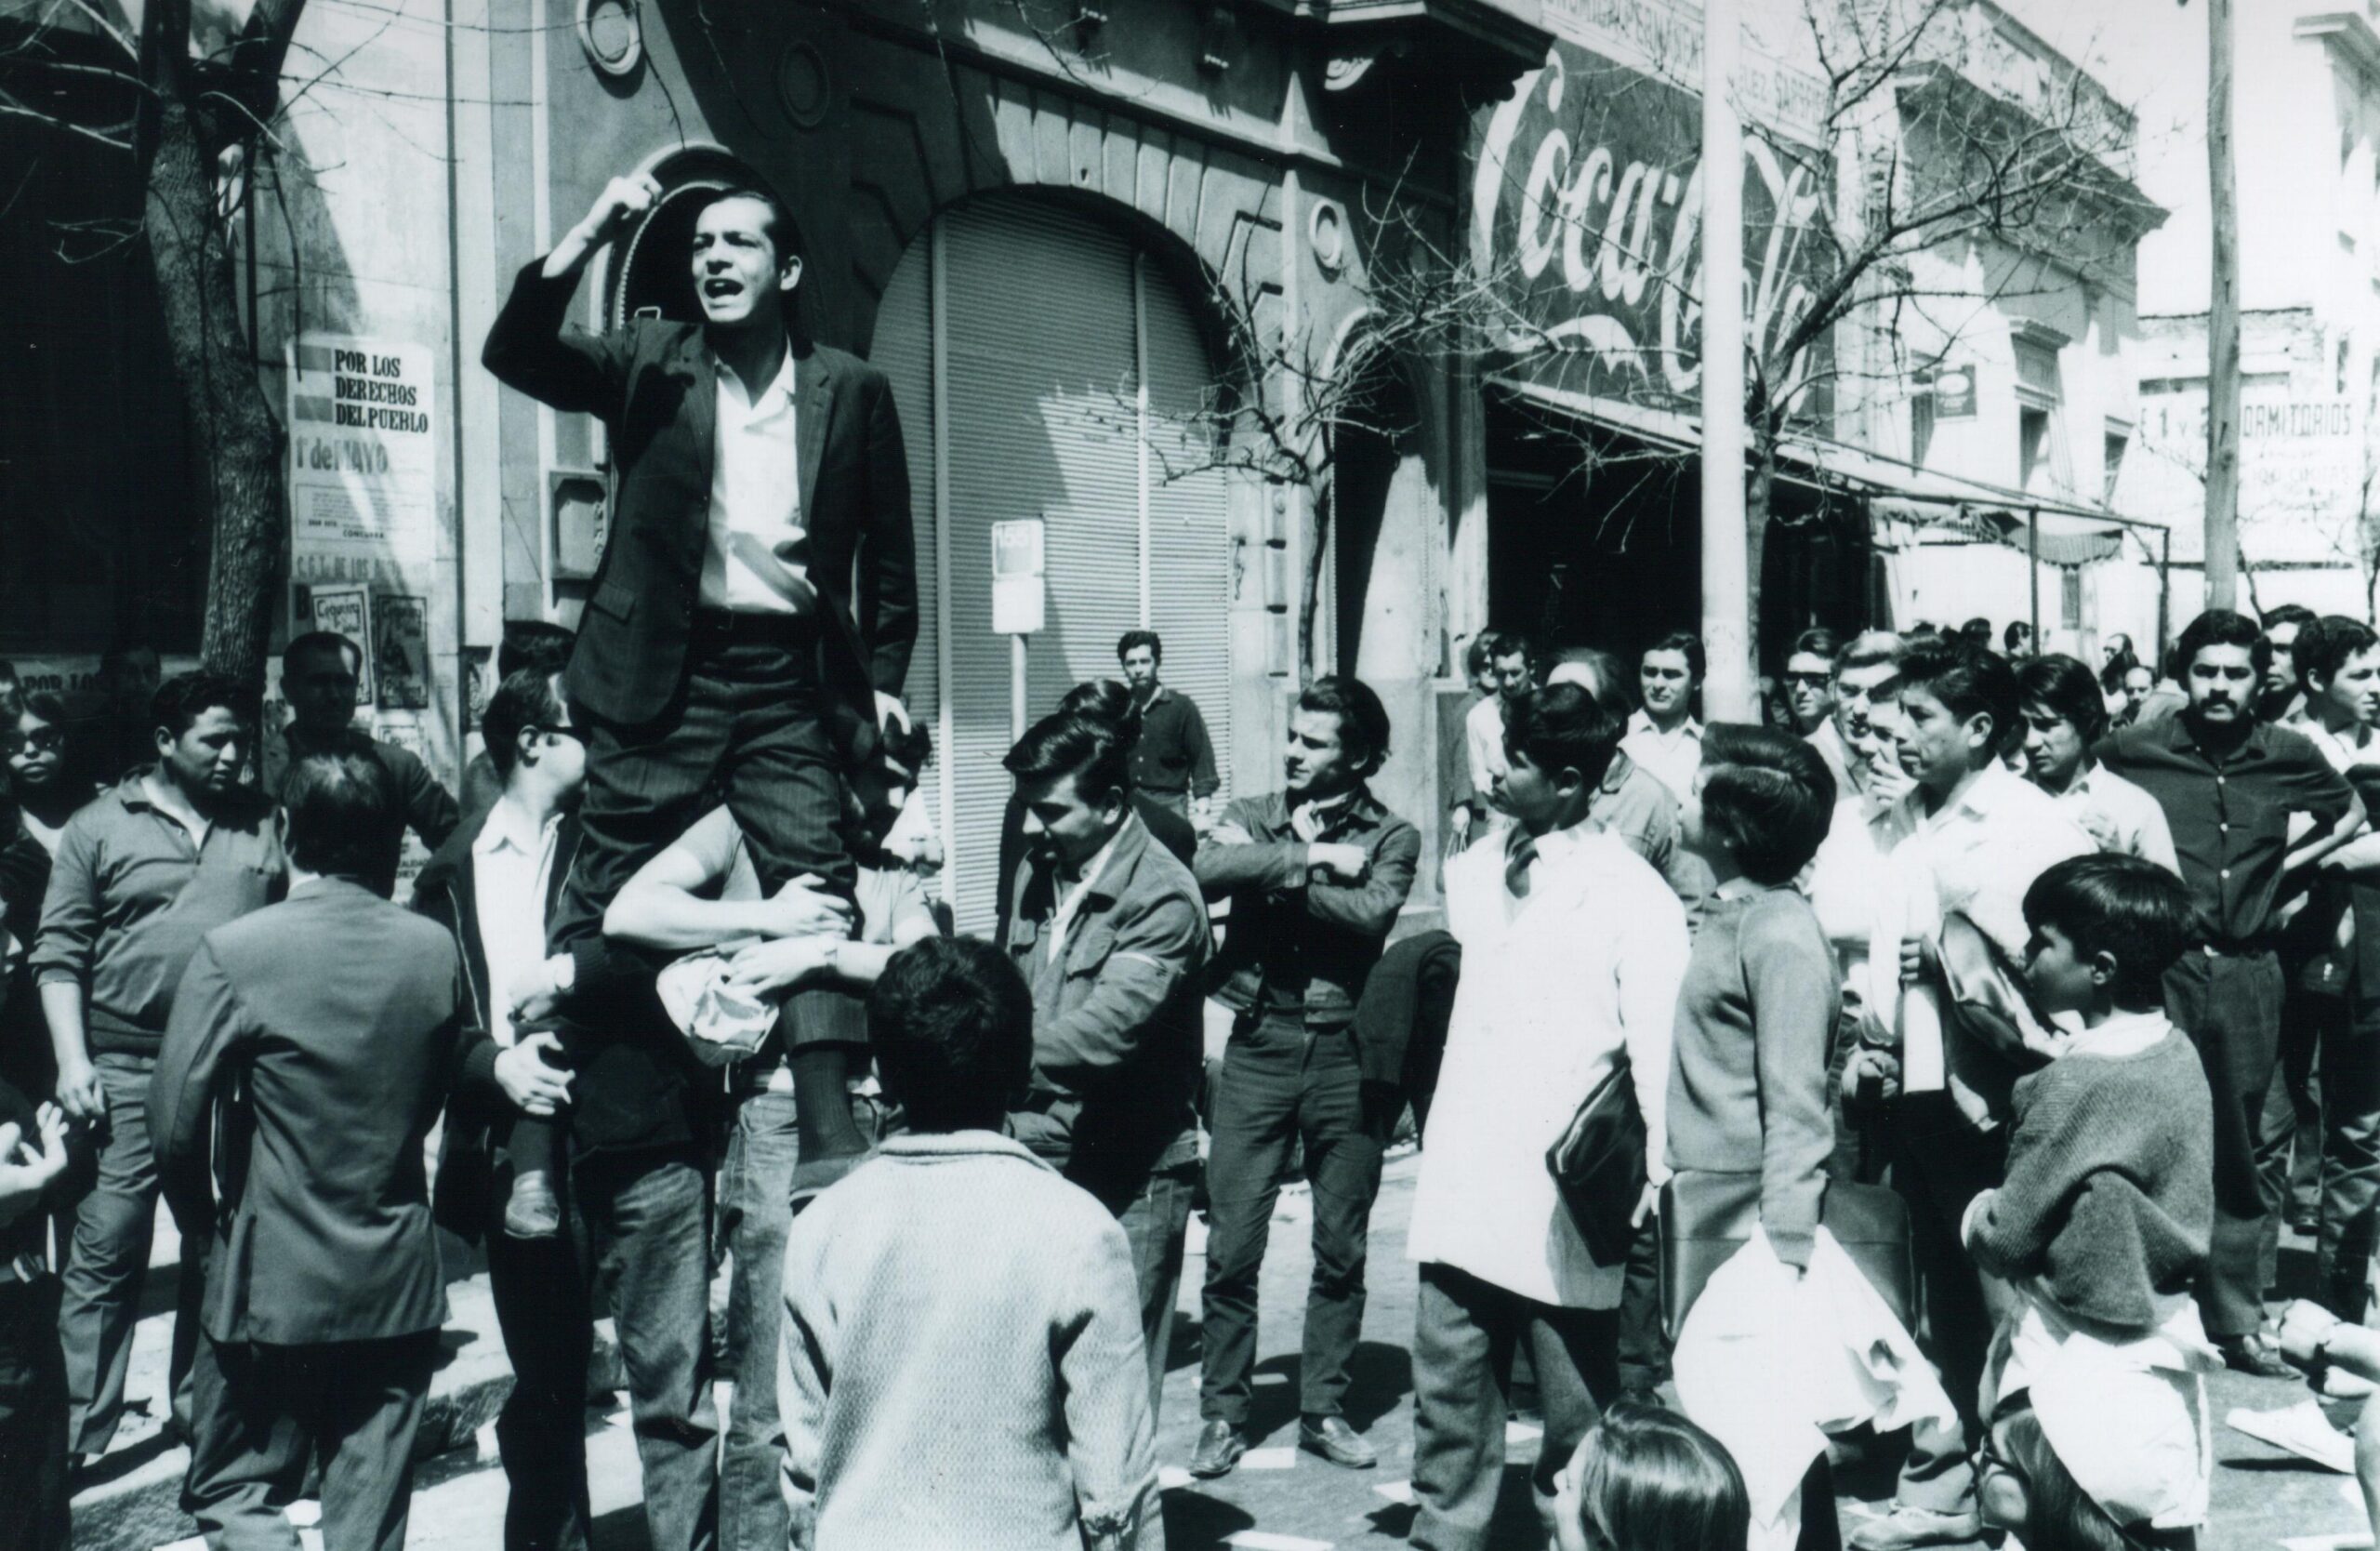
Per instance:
(512,865)
(1672,756)
(756,561)
(2121,816)
(1483,737)
(1977,854)
(1555,987)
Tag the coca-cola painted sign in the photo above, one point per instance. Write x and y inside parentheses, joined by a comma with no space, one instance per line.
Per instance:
(1587,205)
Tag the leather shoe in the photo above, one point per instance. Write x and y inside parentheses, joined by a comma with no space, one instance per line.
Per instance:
(1905,1528)
(531,1210)
(1219,1446)
(1334,1440)
(2253,1356)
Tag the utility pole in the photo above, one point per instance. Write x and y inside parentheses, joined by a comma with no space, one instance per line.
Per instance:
(2222,322)
(1727,627)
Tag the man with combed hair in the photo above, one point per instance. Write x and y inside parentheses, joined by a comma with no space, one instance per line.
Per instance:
(1573,953)
(310,1048)
(1315,875)
(1110,933)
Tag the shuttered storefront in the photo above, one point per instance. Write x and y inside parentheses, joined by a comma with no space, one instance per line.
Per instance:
(1044,369)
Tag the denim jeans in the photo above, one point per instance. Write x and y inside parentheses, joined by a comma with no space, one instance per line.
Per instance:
(1156,1222)
(1282,1083)
(108,1266)
(639,1221)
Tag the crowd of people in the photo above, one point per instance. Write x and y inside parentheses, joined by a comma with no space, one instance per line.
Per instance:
(1937,1061)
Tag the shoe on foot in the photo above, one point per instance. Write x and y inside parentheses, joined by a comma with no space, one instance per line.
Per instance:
(1334,1440)
(531,1210)
(1219,1446)
(2302,1429)
(2253,1355)
(1904,1526)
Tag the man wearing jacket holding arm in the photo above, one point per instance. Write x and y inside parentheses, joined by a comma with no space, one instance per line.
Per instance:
(756,599)
(1315,875)
(1108,930)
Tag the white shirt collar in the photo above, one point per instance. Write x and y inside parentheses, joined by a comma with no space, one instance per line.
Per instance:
(1641,720)
(775,394)
(2121,1034)
(508,825)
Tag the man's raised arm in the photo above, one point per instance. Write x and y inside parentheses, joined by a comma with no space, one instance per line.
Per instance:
(529,348)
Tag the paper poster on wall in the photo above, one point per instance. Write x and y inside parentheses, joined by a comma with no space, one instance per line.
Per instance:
(348,611)
(400,665)
(362,449)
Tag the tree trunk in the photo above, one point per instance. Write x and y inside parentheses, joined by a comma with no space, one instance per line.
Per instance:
(1758,487)
(241,482)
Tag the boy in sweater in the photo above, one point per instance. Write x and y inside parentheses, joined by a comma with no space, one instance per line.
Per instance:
(962,1364)
(2102,1226)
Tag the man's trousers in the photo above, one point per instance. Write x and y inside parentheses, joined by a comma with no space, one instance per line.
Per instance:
(1283,1085)
(2351,1094)
(107,1265)
(1466,1332)
(32,1418)
(638,1222)
(2229,1005)
(262,1415)
(1940,1165)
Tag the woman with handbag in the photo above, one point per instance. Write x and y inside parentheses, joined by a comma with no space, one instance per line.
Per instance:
(1757,1276)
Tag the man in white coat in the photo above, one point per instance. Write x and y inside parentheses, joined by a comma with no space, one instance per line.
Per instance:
(1573,951)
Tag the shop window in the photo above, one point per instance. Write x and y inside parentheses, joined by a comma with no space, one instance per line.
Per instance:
(2069,597)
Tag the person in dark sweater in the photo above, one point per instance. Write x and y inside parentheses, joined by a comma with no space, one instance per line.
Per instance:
(2102,1226)
(2109,1200)
(32,1364)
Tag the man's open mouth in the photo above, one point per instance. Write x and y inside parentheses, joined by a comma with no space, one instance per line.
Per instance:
(721,288)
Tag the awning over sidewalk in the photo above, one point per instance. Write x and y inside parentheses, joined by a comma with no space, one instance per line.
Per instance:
(1908,505)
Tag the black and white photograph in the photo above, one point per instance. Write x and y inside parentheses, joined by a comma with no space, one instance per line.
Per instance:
(1189,775)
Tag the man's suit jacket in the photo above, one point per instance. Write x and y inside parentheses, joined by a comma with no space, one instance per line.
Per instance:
(655,385)
(631,1089)
(336,1017)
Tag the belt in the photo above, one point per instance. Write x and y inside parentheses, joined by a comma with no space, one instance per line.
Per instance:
(736,628)
(27,1268)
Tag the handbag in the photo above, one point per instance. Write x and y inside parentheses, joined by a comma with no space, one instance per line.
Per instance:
(1706,1216)
(1598,1165)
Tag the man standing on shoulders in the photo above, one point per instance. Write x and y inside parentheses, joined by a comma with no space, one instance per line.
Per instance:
(319,676)
(756,604)
(1664,737)
(1573,952)
(335,1018)
(2229,783)
(1173,763)
(178,849)
(1110,933)
(1315,875)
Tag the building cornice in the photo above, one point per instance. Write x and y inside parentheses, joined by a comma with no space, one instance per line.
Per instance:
(2346,33)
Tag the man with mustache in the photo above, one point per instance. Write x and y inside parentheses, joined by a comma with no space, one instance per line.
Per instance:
(2229,783)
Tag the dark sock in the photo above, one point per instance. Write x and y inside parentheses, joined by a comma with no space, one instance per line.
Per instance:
(822,1104)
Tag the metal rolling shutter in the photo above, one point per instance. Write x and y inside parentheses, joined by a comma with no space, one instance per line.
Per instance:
(1039,326)
(1189,557)
(902,351)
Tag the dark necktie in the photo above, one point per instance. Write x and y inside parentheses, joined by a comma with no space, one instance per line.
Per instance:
(1517,858)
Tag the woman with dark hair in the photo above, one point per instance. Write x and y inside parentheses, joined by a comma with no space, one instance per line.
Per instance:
(1648,1480)
(43,773)
(2064,716)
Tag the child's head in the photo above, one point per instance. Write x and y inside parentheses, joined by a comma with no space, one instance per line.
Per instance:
(951,1024)
(2027,1490)
(2104,929)
(1648,1480)
(1764,802)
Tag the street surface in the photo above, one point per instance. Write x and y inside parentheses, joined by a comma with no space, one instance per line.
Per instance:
(1282,1500)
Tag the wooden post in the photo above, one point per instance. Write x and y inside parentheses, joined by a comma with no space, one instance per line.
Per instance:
(1728,691)
(2222,322)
